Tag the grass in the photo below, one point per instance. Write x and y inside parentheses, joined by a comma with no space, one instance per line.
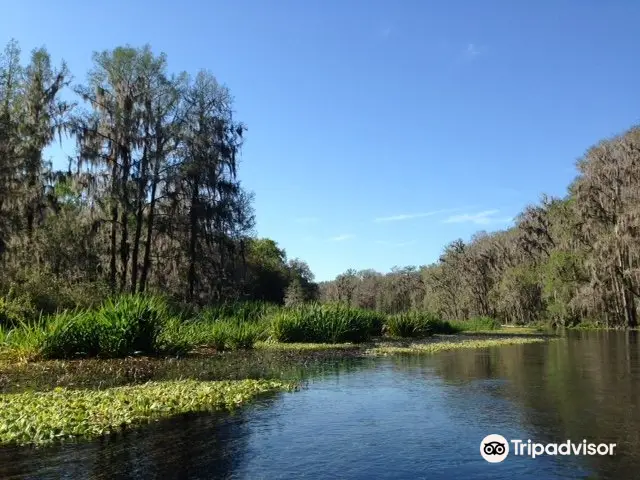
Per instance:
(315,323)
(434,347)
(134,325)
(417,325)
(476,324)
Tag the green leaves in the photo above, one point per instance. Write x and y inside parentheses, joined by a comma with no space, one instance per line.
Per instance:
(325,324)
(45,417)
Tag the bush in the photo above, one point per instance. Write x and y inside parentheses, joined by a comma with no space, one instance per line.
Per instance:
(417,324)
(49,294)
(240,312)
(324,324)
(477,324)
(15,310)
(121,327)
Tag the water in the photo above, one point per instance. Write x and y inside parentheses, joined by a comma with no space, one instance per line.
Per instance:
(396,418)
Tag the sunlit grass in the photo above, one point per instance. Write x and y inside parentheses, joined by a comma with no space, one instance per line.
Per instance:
(434,347)
(306,346)
(61,414)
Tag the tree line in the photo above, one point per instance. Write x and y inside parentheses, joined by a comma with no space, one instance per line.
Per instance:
(566,261)
(150,199)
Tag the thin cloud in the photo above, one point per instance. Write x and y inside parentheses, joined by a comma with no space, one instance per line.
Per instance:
(481,218)
(411,216)
(342,238)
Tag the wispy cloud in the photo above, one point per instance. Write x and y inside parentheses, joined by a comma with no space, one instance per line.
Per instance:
(307,220)
(481,218)
(342,238)
(411,216)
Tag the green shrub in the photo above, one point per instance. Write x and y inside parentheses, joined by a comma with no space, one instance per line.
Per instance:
(417,324)
(131,324)
(121,327)
(71,334)
(240,312)
(477,324)
(324,324)
(49,293)
(15,310)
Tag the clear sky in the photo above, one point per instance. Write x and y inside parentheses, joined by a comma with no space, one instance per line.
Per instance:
(379,131)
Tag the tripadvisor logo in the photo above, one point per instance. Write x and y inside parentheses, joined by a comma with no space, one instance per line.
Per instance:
(494,448)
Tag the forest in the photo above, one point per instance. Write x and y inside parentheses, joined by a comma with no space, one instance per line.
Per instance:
(567,261)
(151,202)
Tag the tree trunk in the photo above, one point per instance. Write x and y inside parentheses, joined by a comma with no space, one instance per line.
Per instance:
(193,232)
(142,184)
(114,225)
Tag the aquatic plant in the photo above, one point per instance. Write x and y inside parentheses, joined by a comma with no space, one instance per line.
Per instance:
(61,414)
(477,324)
(325,324)
(417,324)
(434,347)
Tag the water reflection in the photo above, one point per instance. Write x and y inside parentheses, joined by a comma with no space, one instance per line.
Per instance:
(399,417)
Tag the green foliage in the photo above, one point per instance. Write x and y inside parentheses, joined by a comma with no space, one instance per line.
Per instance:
(325,324)
(48,293)
(417,324)
(561,277)
(477,324)
(250,311)
(15,310)
(40,418)
(122,326)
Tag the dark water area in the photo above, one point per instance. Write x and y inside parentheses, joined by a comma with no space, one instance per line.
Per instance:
(406,417)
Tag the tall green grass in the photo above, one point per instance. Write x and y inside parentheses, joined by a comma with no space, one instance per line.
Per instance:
(417,324)
(477,324)
(325,324)
(150,325)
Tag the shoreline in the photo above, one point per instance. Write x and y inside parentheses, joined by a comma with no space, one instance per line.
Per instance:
(101,397)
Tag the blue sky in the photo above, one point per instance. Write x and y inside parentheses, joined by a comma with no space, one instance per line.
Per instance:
(379,131)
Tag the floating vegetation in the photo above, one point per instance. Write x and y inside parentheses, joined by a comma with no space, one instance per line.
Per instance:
(307,346)
(434,347)
(62,414)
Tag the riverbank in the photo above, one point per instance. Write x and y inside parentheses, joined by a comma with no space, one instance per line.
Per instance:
(60,400)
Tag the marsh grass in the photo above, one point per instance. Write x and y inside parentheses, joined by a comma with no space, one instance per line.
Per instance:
(40,418)
(134,325)
(476,324)
(315,323)
(417,324)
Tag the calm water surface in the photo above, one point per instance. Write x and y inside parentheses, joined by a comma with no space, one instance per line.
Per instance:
(397,418)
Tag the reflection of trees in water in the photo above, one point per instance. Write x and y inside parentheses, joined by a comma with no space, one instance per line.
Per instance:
(585,387)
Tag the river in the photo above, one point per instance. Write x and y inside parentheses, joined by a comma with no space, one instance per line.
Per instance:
(407,417)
